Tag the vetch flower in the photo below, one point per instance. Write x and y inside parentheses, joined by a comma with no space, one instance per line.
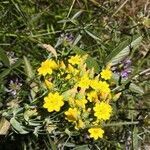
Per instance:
(53,102)
(14,87)
(125,73)
(123,68)
(96,133)
(102,111)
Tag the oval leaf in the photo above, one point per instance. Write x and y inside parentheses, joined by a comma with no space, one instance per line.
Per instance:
(17,126)
(4,58)
(28,68)
(123,50)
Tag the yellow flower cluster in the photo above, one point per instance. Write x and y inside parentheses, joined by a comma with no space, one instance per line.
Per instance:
(84,97)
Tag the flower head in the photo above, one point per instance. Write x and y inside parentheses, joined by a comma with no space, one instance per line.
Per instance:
(81,103)
(62,65)
(102,111)
(53,102)
(92,96)
(104,87)
(47,67)
(106,74)
(125,73)
(75,60)
(72,114)
(79,124)
(48,84)
(96,133)
(95,84)
(84,82)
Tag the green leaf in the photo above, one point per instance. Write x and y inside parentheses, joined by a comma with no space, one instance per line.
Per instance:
(16,64)
(50,144)
(91,62)
(8,70)
(17,126)
(68,144)
(135,88)
(4,58)
(76,15)
(28,68)
(120,52)
(53,145)
(135,138)
(92,35)
(4,73)
(78,38)
(82,147)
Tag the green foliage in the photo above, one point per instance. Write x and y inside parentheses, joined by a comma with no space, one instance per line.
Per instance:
(109,32)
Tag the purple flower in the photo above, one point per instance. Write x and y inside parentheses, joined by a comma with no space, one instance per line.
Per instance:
(68,37)
(127,63)
(14,87)
(123,68)
(125,73)
(12,58)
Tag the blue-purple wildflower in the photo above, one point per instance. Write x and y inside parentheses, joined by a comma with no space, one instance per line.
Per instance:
(123,69)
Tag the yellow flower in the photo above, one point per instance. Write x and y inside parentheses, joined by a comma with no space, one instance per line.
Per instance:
(79,124)
(47,67)
(92,96)
(104,87)
(106,74)
(53,102)
(62,65)
(84,82)
(102,111)
(95,84)
(96,133)
(48,84)
(72,114)
(75,60)
(71,102)
(72,70)
(81,103)
(68,77)
(105,96)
